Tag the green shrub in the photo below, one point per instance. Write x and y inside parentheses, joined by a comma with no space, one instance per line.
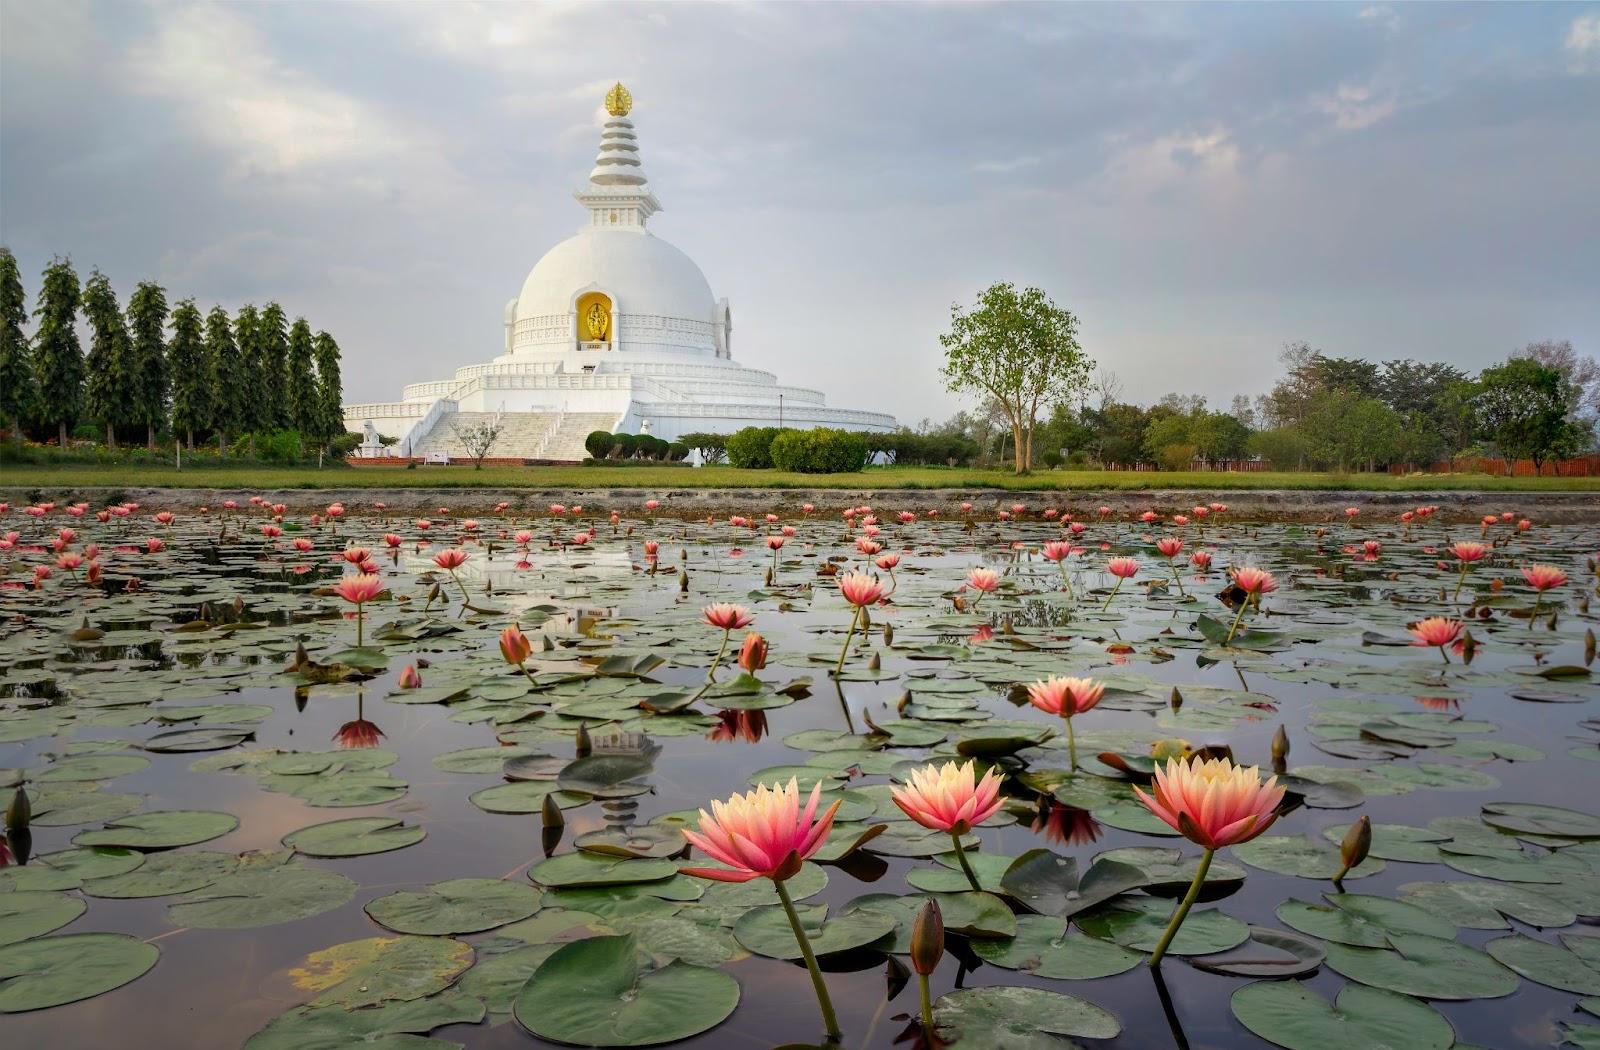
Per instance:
(278,446)
(1052,460)
(625,446)
(677,452)
(713,447)
(599,443)
(819,451)
(751,448)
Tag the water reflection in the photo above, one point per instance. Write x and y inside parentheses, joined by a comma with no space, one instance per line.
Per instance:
(1066,825)
(748,726)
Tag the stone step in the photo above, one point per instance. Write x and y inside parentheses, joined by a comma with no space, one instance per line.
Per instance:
(528,435)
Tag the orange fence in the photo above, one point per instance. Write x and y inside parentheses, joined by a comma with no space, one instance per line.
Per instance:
(1579,467)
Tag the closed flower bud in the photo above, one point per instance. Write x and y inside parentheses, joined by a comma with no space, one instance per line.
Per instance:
(1280,744)
(753,654)
(927,938)
(583,745)
(1357,841)
(19,812)
(551,813)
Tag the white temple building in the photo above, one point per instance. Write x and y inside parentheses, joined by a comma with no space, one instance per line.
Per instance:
(614,329)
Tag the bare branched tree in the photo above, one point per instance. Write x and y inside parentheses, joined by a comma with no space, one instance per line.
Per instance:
(477,439)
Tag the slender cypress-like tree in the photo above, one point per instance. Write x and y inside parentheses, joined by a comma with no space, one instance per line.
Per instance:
(273,332)
(192,379)
(301,380)
(57,357)
(251,413)
(226,372)
(106,397)
(147,361)
(330,391)
(16,363)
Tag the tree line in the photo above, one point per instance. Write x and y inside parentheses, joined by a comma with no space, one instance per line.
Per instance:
(155,368)
(1325,413)
(1018,351)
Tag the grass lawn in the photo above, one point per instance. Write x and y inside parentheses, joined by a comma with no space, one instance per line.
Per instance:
(48,477)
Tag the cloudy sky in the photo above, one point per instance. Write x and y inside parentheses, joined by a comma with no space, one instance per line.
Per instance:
(1199,184)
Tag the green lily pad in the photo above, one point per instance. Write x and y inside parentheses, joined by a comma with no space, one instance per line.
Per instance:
(381,969)
(995,1018)
(1542,820)
(455,906)
(1049,884)
(1302,856)
(253,898)
(160,829)
(25,914)
(1292,1015)
(1362,920)
(50,971)
(766,931)
(354,837)
(582,868)
(91,767)
(1549,964)
(1398,842)
(1486,905)
(1139,922)
(399,1025)
(1428,967)
(1289,955)
(164,874)
(1045,947)
(68,869)
(593,993)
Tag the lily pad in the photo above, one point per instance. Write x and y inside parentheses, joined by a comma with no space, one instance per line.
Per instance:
(1302,856)
(1362,920)
(996,1018)
(455,906)
(50,971)
(392,1024)
(160,829)
(593,993)
(1542,820)
(766,931)
(1139,922)
(25,914)
(381,969)
(1549,964)
(1292,1015)
(354,837)
(164,874)
(582,868)
(1428,967)
(1045,947)
(248,899)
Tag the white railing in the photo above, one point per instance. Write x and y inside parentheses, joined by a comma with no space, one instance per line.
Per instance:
(384,410)
(424,426)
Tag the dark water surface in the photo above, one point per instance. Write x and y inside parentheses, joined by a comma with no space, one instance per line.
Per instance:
(215,987)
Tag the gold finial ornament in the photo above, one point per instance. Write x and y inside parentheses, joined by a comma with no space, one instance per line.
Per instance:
(618,101)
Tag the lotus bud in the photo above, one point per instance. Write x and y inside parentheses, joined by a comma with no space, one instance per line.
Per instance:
(1588,646)
(927,938)
(901,704)
(1469,645)
(888,634)
(1280,745)
(1175,701)
(19,812)
(875,663)
(753,654)
(581,739)
(866,619)
(683,581)
(551,813)
(1353,849)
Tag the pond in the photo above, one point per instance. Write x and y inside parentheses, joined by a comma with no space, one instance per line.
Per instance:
(264,815)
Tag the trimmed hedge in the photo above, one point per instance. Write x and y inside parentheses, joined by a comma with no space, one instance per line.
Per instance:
(599,443)
(819,451)
(751,448)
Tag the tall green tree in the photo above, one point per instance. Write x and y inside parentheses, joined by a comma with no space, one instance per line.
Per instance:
(225,369)
(330,391)
(16,362)
(106,381)
(57,357)
(192,378)
(251,413)
(272,358)
(1528,409)
(147,360)
(300,381)
(1020,349)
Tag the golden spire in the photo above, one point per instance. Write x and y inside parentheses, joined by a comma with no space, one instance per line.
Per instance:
(618,101)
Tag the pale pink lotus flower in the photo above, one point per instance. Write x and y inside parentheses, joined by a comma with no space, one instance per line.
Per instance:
(1213,803)
(358,590)
(887,562)
(1201,560)
(1065,697)
(451,559)
(356,555)
(1254,581)
(753,653)
(1436,631)
(726,616)
(1469,550)
(1179,519)
(154,545)
(409,678)
(301,544)
(860,589)
(1544,577)
(1351,512)
(652,504)
(984,581)
(761,834)
(949,797)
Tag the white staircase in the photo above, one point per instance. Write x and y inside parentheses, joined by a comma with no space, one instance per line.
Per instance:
(565,443)
(555,436)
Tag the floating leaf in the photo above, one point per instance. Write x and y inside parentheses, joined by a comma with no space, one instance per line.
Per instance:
(247,899)
(1430,967)
(1268,953)
(1044,947)
(381,969)
(50,971)
(392,1024)
(1139,922)
(25,914)
(593,869)
(161,829)
(1549,964)
(353,837)
(1302,856)
(1292,1015)
(994,1018)
(455,906)
(1363,920)
(593,993)
(766,931)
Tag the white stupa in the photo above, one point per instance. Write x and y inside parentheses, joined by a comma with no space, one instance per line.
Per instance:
(614,329)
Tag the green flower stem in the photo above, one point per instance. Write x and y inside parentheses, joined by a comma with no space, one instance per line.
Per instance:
(1072,745)
(1062,565)
(927,1005)
(844,649)
(1236,618)
(1177,577)
(359,635)
(828,1018)
(711,675)
(966,867)
(1114,589)
(1183,908)
(1459,581)
(1537,598)
(465,600)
